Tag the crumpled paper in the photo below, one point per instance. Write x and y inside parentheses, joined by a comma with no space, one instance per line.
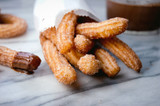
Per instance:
(49,13)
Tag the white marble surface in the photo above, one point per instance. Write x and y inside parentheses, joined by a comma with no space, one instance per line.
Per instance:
(127,89)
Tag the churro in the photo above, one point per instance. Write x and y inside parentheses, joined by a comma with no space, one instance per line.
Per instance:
(65,32)
(83,44)
(73,57)
(62,70)
(105,29)
(11,26)
(85,63)
(109,64)
(50,34)
(123,52)
(20,61)
(88,64)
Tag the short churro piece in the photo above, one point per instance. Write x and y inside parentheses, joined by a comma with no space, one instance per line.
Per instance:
(65,32)
(50,33)
(109,64)
(83,44)
(73,57)
(105,29)
(62,70)
(85,63)
(21,61)
(123,52)
(11,26)
(88,64)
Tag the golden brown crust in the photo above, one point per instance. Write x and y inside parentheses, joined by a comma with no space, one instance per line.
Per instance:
(89,65)
(123,52)
(105,29)
(50,33)
(83,44)
(65,32)
(73,57)
(23,61)
(7,56)
(11,26)
(62,70)
(109,64)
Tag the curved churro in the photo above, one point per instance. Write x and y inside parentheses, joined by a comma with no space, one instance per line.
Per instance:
(88,64)
(62,70)
(21,61)
(11,26)
(109,64)
(83,44)
(123,52)
(65,32)
(105,29)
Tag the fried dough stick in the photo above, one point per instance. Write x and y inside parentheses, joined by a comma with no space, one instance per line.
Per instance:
(65,32)
(123,52)
(89,65)
(23,62)
(83,44)
(62,70)
(11,26)
(105,29)
(109,64)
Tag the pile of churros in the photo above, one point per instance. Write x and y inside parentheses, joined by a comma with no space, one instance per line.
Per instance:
(76,41)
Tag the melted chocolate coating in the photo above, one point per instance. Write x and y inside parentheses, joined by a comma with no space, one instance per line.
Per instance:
(26,62)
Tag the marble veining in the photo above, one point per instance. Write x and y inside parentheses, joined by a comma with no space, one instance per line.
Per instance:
(129,88)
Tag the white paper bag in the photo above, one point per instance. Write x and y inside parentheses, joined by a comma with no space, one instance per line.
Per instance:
(49,13)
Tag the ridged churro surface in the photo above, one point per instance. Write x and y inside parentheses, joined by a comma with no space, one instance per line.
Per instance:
(88,64)
(105,29)
(109,64)
(65,32)
(7,56)
(73,57)
(123,52)
(11,26)
(83,44)
(50,33)
(62,70)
